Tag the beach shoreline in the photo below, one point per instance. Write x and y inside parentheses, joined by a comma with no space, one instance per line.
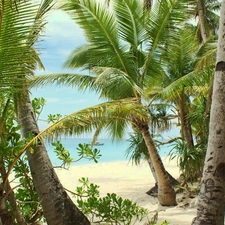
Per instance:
(131,182)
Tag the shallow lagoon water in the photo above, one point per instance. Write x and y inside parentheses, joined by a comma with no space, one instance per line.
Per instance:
(110,151)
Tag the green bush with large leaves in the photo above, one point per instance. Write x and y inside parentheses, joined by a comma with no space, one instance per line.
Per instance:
(110,208)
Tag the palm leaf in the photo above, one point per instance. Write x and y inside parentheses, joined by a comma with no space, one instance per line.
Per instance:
(71,80)
(109,79)
(206,54)
(163,20)
(186,83)
(116,114)
(130,17)
(100,29)
(18,58)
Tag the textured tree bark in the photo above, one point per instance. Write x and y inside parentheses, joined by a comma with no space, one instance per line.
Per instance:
(210,208)
(166,192)
(57,206)
(154,190)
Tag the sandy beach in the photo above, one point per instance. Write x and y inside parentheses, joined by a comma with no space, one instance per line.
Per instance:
(132,182)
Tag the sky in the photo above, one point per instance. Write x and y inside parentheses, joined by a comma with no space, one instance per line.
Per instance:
(60,37)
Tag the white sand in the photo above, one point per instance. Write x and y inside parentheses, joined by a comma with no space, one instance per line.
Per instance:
(132,182)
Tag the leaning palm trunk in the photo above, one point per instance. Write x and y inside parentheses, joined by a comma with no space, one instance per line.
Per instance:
(58,208)
(154,190)
(166,193)
(211,197)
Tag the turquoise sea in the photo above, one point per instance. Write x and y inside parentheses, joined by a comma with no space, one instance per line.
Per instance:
(110,151)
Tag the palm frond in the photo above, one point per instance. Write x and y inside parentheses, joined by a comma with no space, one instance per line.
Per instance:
(163,21)
(186,83)
(130,17)
(82,57)
(100,29)
(20,27)
(207,55)
(79,80)
(116,114)
(137,148)
(109,79)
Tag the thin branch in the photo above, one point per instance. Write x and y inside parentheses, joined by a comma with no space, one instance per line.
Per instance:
(168,142)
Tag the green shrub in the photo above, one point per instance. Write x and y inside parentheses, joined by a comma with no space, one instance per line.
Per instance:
(110,208)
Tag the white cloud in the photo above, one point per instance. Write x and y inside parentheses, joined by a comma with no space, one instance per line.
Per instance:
(61,25)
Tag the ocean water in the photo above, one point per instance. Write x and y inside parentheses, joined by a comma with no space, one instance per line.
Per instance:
(110,151)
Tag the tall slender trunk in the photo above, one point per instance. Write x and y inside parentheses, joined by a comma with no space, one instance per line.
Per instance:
(201,17)
(204,35)
(58,208)
(185,124)
(166,193)
(210,209)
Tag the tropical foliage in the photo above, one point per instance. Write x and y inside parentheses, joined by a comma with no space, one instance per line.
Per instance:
(128,67)
(155,61)
(153,70)
(110,208)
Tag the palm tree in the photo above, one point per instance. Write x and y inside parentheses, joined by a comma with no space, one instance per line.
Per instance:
(180,61)
(123,51)
(18,59)
(210,209)
(137,151)
(186,79)
(188,76)
(207,27)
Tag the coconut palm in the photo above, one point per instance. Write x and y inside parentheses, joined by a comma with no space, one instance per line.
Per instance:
(180,61)
(123,52)
(188,75)
(20,26)
(186,80)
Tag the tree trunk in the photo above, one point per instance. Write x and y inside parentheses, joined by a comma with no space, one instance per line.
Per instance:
(148,4)
(201,17)
(154,190)
(10,196)
(5,216)
(166,193)
(210,209)
(58,208)
(185,124)
(204,35)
